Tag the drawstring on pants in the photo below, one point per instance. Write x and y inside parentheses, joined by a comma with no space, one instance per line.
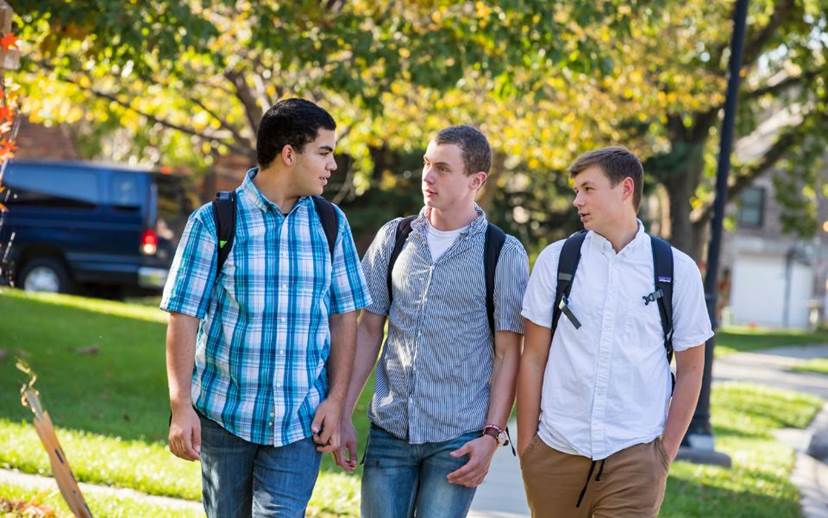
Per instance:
(589,476)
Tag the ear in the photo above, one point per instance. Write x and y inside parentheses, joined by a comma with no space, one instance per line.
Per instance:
(288,155)
(628,186)
(479,179)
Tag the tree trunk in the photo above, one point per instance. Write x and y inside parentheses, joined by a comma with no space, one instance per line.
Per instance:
(681,186)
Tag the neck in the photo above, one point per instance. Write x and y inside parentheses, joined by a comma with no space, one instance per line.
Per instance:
(452,219)
(274,185)
(620,235)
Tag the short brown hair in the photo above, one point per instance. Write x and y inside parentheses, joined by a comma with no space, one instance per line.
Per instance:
(618,163)
(476,152)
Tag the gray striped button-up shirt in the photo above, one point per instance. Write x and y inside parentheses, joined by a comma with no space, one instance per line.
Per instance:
(434,374)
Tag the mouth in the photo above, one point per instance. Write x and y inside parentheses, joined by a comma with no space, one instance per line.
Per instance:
(324,180)
(583,215)
(429,193)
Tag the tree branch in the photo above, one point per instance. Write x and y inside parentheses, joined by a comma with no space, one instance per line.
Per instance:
(755,42)
(224,124)
(783,84)
(167,124)
(251,108)
(749,173)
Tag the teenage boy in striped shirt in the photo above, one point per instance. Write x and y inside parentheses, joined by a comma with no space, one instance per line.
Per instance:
(259,353)
(442,378)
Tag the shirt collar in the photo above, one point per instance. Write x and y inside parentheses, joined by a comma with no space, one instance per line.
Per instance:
(255,196)
(602,244)
(478,224)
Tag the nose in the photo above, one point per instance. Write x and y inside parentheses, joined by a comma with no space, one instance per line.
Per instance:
(578,201)
(428,176)
(332,166)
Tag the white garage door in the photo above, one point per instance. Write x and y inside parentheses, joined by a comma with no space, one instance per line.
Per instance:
(758,292)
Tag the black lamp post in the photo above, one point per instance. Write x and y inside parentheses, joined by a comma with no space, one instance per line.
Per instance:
(698,445)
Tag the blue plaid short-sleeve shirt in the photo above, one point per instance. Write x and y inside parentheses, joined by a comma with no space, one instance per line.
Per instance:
(263,340)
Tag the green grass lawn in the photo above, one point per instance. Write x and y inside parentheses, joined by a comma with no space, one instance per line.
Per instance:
(111,412)
(817,365)
(111,407)
(742,339)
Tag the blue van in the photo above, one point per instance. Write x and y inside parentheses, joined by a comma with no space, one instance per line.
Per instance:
(90,228)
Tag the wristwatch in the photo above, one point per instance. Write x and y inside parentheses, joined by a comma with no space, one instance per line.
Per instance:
(497,433)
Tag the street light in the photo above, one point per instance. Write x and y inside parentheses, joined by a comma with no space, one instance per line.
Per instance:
(698,445)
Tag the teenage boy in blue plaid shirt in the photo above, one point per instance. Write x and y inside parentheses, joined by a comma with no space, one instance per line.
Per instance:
(259,354)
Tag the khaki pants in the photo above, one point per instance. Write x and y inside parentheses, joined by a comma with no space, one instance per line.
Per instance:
(629,483)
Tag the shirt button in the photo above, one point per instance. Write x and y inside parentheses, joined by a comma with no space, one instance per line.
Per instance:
(284,286)
(283,319)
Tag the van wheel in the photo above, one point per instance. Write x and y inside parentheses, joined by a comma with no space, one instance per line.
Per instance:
(45,274)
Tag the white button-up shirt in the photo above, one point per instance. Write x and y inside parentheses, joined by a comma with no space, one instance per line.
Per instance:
(607,385)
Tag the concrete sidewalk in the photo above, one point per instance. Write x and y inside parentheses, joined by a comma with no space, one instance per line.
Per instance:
(502,495)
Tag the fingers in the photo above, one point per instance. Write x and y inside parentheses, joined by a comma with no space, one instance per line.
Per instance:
(471,474)
(185,436)
(196,439)
(463,450)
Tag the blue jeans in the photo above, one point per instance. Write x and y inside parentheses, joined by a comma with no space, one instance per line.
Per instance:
(403,480)
(240,478)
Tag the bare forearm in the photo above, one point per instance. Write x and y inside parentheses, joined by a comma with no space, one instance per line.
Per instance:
(369,339)
(341,360)
(530,379)
(690,366)
(504,374)
(181,338)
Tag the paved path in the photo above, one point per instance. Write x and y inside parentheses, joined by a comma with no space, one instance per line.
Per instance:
(502,496)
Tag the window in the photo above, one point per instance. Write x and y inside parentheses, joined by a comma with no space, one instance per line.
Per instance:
(752,207)
(126,191)
(52,187)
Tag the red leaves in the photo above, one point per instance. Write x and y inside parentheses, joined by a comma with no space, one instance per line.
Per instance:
(8,41)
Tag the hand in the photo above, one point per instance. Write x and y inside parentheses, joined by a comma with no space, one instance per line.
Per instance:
(185,433)
(480,452)
(325,425)
(671,448)
(345,457)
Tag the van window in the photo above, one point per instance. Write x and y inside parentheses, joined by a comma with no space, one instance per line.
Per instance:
(52,187)
(176,199)
(126,190)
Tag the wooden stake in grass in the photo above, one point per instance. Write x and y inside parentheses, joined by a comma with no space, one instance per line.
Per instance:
(30,398)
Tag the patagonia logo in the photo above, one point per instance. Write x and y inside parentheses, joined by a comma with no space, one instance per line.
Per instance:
(664,278)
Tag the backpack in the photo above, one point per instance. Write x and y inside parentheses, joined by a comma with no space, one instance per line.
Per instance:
(224,212)
(495,238)
(662,277)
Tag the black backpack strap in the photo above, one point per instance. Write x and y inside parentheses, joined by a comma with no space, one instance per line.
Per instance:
(401,234)
(495,238)
(567,264)
(224,214)
(663,277)
(330,220)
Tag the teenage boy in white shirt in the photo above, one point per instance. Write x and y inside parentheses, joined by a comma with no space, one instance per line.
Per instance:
(599,418)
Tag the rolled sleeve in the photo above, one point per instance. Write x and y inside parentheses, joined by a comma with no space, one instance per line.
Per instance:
(375,266)
(511,276)
(539,300)
(192,273)
(349,291)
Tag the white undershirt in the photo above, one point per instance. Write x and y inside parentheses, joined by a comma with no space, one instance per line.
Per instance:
(441,240)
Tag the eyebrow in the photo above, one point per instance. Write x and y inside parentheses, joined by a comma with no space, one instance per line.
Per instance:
(443,164)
